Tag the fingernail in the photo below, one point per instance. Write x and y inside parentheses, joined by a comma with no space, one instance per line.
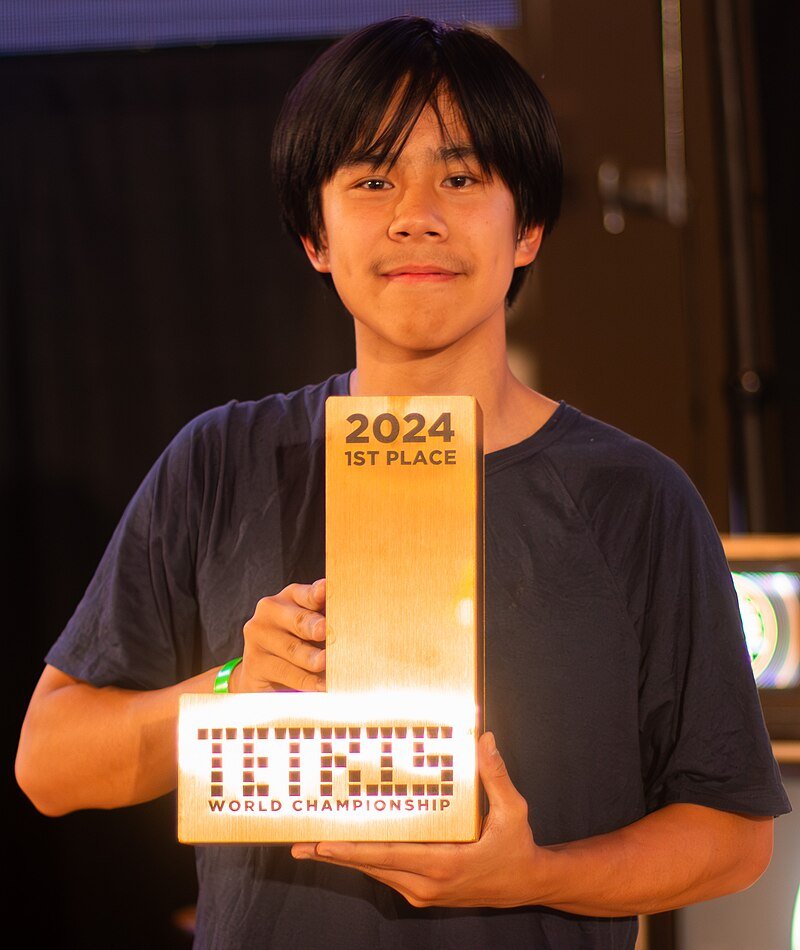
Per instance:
(324,851)
(491,743)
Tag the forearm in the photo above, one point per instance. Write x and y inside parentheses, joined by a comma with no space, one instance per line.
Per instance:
(85,747)
(678,855)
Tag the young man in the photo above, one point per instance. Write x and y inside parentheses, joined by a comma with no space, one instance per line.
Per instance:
(419,167)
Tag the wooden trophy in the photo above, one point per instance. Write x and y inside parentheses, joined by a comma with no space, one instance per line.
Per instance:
(388,752)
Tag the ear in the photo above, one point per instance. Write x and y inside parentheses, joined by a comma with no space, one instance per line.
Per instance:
(528,244)
(317,255)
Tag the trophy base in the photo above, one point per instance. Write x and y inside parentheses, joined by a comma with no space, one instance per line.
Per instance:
(287,767)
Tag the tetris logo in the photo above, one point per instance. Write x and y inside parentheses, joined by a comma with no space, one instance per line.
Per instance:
(295,762)
(248,776)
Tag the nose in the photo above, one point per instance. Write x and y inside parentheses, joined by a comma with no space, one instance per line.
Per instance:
(418,214)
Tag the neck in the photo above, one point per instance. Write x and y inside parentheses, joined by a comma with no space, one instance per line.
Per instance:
(471,367)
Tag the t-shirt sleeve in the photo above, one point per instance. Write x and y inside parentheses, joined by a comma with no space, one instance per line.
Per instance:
(702,733)
(135,626)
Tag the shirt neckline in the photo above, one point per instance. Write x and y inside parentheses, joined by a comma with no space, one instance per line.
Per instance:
(562,419)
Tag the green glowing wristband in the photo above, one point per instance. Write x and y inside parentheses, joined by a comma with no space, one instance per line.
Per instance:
(223,677)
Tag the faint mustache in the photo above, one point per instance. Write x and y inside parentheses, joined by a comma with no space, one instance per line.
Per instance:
(383,265)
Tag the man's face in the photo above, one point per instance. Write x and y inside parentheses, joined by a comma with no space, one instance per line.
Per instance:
(421,254)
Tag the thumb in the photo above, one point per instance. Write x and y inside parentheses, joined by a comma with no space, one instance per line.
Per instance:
(499,788)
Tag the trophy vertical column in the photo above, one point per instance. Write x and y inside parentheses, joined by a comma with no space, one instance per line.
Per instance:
(404,549)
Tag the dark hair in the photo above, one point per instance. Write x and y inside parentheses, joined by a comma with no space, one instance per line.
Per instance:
(337,108)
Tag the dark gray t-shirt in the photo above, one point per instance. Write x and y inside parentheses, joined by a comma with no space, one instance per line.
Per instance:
(618,680)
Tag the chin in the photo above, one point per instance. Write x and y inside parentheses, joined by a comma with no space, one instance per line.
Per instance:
(419,333)
(422,343)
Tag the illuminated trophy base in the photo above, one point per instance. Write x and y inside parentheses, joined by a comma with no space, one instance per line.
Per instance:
(388,752)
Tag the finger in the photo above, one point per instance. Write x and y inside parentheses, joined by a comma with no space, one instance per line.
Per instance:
(277,670)
(421,885)
(289,615)
(264,637)
(407,883)
(417,859)
(300,653)
(306,849)
(369,857)
(496,781)
(311,596)
(352,854)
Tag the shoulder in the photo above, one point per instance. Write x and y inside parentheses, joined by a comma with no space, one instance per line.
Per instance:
(644,515)
(280,418)
(234,444)
(604,469)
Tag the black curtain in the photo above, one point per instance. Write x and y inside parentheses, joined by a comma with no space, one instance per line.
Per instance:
(143,278)
(776,30)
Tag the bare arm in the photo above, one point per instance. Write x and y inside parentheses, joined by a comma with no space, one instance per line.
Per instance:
(87,747)
(675,856)
(678,855)
(84,747)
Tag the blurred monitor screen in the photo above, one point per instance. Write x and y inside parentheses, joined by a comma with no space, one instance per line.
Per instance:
(52,26)
(766,575)
(769,602)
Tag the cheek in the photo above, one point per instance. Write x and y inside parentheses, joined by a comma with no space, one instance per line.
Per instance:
(350,248)
(495,234)
(496,244)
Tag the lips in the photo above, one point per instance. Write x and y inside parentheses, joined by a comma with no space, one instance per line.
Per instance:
(416,273)
(418,269)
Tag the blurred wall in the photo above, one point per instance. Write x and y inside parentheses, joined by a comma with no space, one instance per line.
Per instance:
(644,327)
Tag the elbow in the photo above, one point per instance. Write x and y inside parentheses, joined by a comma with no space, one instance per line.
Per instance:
(763,850)
(756,852)
(32,779)
(44,766)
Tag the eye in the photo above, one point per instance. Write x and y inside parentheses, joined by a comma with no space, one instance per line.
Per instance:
(374,184)
(459,181)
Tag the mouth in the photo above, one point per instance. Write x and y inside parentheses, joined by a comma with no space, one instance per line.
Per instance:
(420,273)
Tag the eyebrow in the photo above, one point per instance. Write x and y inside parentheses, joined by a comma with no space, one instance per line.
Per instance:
(445,153)
(457,152)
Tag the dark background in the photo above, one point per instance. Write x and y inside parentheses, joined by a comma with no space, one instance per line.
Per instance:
(144,278)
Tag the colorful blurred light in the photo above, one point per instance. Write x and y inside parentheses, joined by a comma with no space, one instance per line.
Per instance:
(769,603)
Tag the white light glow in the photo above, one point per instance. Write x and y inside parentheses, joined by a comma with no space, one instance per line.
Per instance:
(465,611)
(326,761)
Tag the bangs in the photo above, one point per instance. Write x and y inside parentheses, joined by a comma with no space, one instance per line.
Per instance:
(382,136)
